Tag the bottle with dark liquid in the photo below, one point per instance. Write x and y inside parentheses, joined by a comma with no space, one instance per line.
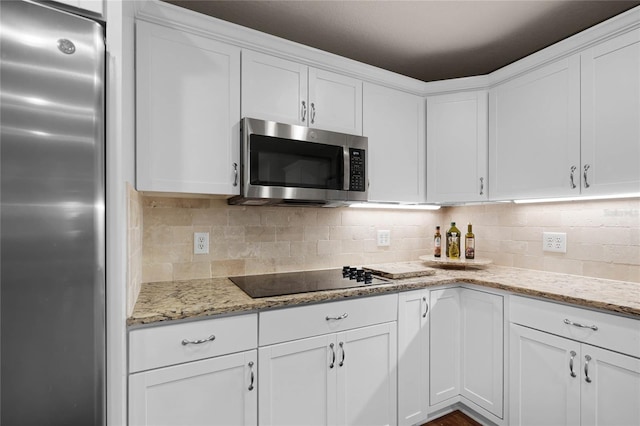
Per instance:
(437,243)
(469,244)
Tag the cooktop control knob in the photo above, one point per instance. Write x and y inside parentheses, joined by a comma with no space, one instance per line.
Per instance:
(352,273)
(368,277)
(345,271)
(360,275)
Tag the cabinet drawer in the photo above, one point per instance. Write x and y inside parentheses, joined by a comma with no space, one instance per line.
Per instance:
(613,332)
(160,346)
(306,321)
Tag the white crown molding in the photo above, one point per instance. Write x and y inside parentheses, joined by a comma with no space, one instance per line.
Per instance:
(186,20)
(577,43)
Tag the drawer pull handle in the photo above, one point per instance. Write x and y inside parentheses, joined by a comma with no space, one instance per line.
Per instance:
(341,317)
(333,356)
(577,324)
(573,355)
(186,342)
(587,358)
(341,348)
(252,375)
(426,307)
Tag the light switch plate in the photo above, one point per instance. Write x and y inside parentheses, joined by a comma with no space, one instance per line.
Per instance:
(554,241)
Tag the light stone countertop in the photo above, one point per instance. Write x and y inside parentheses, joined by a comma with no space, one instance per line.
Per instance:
(173,300)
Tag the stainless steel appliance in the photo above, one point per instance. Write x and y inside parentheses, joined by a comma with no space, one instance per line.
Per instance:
(52,224)
(294,165)
(285,283)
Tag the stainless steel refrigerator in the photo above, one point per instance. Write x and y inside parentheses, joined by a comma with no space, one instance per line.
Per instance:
(52,225)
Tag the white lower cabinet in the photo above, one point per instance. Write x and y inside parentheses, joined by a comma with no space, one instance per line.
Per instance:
(558,381)
(444,345)
(215,391)
(572,366)
(413,357)
(195,373)
(342,378)
(482,350)
(450,350)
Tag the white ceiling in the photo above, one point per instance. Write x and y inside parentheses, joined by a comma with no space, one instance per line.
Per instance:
(426,40)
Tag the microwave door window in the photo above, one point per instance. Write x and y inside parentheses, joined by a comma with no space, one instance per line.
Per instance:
(289,163)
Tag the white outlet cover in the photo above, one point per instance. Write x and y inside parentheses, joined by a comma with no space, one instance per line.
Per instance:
(200,243)
(384,238)
(554,242)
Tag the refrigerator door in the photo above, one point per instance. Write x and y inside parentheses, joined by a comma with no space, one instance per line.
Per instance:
(52,238)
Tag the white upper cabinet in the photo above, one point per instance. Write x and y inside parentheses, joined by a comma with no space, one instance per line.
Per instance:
(95,6)
(273,89)
(288,92)
(534,133)
(611,116)
(188,112)
(571,127)
(457,147)
(394,123)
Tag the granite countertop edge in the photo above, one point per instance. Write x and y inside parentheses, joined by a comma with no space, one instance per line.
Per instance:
(162,302)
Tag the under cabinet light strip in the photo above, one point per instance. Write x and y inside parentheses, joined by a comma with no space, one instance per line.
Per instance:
(394,206)
(559,200)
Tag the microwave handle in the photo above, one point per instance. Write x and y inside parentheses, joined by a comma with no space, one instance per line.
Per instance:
(347,168)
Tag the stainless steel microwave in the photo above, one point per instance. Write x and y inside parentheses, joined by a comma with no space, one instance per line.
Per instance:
(285,164)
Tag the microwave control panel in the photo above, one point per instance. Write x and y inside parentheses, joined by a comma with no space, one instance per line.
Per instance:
(356,159)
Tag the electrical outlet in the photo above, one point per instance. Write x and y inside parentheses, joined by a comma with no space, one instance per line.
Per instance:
(200,243)
(384,238)
(554,241)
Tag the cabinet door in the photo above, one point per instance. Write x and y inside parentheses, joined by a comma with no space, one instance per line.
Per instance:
(95,6)
(274,89)
(297,382)
(610,116)
(482,330)
(534,133)
(444,344)
(413,357)
(215,391)
(542,389)
(188,112)
(367,381)
(613,394)
(457,147)
(335,102)
(394,123)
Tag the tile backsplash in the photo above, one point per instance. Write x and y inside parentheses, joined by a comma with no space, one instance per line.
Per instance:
(603,237)
(256,240)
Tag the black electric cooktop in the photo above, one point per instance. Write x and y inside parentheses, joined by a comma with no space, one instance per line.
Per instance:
(281,284)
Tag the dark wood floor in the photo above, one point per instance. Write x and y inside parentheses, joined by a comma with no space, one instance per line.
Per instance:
(456,418)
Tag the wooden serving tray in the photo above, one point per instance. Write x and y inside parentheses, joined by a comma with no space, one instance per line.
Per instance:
(399,270)
(462,263)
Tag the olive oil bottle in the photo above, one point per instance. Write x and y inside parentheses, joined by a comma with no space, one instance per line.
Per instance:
(469,244)
(437,243)
(453,242)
